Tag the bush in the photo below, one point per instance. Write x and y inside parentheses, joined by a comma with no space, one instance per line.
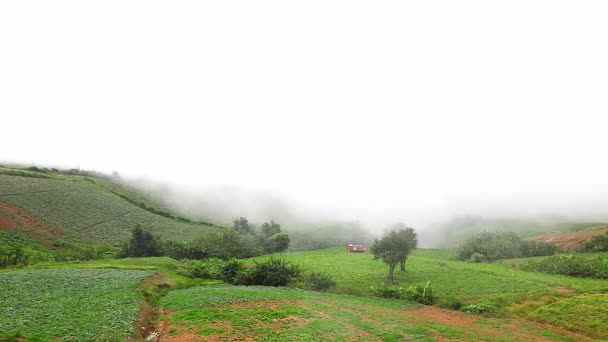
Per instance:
(478,308)
(270,272)
(209,268)
(476,257)
(598,243)
(230,270)
(571,265)
(450,303)
(318,281)
(421,293)
(491,246)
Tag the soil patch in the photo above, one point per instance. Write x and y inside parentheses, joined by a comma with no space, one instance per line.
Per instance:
(570,240)
(13,217)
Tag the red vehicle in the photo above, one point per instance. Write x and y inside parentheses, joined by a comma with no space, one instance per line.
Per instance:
(355,248)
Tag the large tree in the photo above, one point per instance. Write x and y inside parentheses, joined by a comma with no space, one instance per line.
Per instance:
(394,247)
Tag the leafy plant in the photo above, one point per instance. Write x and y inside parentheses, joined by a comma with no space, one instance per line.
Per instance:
(318,281)
(274,271)
(475,308)
(421,293)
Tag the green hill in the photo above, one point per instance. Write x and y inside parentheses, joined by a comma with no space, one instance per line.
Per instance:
(83,209)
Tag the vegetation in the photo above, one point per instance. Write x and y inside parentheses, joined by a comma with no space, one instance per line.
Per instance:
(80,212)
(598,243)
(318,281)
(491,246)
(45,304)
(421,293)
(228,313)
(571,265)
(394,247)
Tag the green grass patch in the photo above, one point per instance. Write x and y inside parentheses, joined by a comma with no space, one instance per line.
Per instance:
(586,313)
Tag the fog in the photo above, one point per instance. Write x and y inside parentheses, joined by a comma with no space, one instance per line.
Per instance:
(412,112)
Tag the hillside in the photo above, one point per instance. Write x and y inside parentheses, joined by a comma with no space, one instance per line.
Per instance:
(53,208)
(572,238)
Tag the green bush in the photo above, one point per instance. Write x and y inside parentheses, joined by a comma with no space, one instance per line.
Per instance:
(230,270)
(318,281)
(571,265)
(208,268)
(270,272)
(421,293)
(478,308)
(598,243)
(490,246)
(476,257)
(451,303)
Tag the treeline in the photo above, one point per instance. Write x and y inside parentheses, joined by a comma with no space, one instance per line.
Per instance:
(242,240)
(491,246)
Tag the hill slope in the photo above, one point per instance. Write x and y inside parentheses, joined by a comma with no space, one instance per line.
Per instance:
(78,209)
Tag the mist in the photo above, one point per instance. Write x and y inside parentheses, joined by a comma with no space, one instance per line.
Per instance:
(436,220)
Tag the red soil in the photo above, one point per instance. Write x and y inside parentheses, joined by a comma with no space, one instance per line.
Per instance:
(13,217)
(570,240)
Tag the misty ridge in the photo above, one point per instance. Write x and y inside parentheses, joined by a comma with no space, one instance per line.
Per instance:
(444,227)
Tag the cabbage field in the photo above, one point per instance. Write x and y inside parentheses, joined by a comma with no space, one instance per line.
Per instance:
(85,212)
(70,304)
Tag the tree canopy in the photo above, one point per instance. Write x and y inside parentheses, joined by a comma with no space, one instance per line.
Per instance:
(394,247)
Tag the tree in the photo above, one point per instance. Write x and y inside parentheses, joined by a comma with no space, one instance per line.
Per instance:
(407,241)
(279,242)
(142,244)
(270,228)
(394,247)
(241,225)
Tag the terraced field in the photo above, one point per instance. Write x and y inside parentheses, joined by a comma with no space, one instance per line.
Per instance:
(69,304)
(83,212)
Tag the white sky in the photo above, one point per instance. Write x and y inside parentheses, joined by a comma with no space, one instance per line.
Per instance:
(372,109)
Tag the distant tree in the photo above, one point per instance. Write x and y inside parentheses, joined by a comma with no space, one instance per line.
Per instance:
(142,244)
(270,228)
(279,242)
(407,241)
(241,225)
(393,248)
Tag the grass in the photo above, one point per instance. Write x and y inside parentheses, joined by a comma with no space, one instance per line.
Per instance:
(86,212)
(508,291)
(356,272)
(69,304)
(586,313)
(229,313)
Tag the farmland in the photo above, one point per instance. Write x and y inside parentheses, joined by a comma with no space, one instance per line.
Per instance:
(76,291)
(507,291)
(230,313)
(81,211)
(74,304)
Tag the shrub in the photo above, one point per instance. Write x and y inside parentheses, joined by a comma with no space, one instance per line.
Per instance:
(571,265)
(318,281)
(476,257)
(421,293)
(270,272)
(598,243)
(450,303)
(476,308)
(230,270)
(492,246)
(209,268)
